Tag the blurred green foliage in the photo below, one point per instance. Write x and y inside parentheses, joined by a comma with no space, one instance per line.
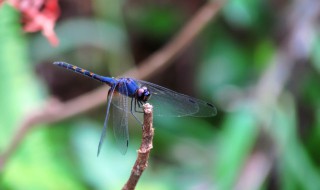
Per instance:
(189,153)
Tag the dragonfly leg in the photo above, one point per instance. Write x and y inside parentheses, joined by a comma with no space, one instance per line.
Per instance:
(135,106)
(133,113)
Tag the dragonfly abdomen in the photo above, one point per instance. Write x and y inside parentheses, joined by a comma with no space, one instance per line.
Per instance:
(76,69)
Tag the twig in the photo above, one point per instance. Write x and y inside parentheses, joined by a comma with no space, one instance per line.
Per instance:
(144,151)
(157,61)
(162,58)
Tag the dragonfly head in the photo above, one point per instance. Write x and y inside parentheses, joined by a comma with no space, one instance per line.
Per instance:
(143,94)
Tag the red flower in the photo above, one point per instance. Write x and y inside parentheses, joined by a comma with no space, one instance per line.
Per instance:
(39,15)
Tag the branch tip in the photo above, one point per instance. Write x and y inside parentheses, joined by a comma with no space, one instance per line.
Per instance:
(143,153)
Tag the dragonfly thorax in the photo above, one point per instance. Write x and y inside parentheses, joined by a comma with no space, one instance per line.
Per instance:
(143,94)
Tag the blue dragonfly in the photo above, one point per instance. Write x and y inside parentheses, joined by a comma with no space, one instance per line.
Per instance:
(133,93)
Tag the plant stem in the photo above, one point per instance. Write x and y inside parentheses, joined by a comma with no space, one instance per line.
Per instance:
(144,150)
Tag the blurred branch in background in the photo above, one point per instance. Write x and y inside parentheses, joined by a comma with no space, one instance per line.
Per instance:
(297,48)
(143,153)
(55,110)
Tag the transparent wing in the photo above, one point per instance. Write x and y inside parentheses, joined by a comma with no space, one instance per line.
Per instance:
(115,104)
(120,118)
(104,130)
(170,103)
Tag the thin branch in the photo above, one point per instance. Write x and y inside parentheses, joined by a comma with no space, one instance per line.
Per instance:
(157,61)
(272,83)
(162,58)
(143,153)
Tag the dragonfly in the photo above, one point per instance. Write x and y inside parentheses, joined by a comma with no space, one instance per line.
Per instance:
(127,96)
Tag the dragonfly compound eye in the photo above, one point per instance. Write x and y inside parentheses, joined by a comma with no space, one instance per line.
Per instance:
(143,94)
(146,95)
